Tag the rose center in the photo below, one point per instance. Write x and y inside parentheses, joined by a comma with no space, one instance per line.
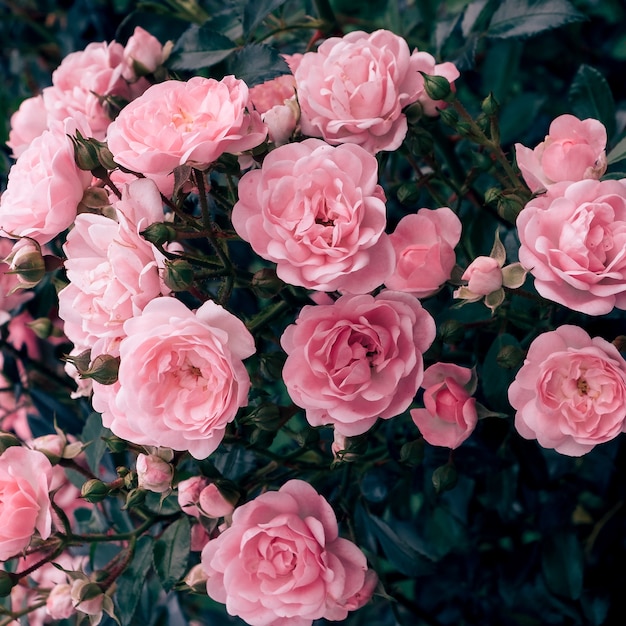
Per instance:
(583,387)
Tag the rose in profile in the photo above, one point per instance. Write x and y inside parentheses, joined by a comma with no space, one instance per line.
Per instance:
(573,150)
(570,394)
(25,508)
(573,241)
(358,359)
(281,562)
(354,88)
(318,212)
(181,378)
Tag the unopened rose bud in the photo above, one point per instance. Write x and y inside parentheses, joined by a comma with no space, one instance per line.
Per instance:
(85,153)
(449,117)
(159,233)
(412,452)
(94,490)
(266,283)
(59,604)
(483,276)
(51,445)
(436,87)
(196,578)
(414,113)
(103,369)
(27,263)
(510,206)
(281,121)
(178,275)
(7,440)
(133,498)
(490,105)
(87,597)
(154,473)
(42,327)
(213,503)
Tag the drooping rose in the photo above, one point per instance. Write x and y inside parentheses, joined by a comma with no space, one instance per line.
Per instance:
(449,415)
(358,359)
(570,394)
(573,150)
(282,563)
(424,245)
(181,378)
(354,88)
(573,241)
(319,213)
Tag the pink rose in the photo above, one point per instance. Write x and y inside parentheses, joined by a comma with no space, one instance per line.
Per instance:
(319,213)
(44,186)
(358,359)
(27,123)
(25,508)
(570,394)
(113,271)
(572,150)
(175,123)
(282,563)
(354,88)
(281,120)
(424,245)
(143,53)
(181,377)
(573,241)
(273,92)
(449,416)
(483,275)
(59,603)
(154,473)
(199,496)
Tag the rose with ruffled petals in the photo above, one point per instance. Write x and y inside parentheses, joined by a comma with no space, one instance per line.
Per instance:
(573,241)
(354,88)
(282,563)
(570,394)
(358,359)
(27,123)
(319,213)
(181,378)
(573,150)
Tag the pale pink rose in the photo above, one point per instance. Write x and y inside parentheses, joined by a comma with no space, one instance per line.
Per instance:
(212,502)
(189,494)
(570,394)
(449,416)
(113,271)
(573,241)
(83,79)
(44,186)
(175,123)
(273,92)
(483,275)
(282,563)
(424,247)
(354,88)
(358,359)
(281,121)
(573,150)
(27,123)
(143,53)
(25,477)
(181,377)
(199,496)
(59,602)
(317,212)
(154,473)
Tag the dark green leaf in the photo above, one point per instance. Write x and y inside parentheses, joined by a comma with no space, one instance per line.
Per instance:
(171,552)
(522,18)
(255,12)
(496,391)
(591,96)
(131,581)
(95,433)
(256,63)
(562,565)
(200,47)
(476,16)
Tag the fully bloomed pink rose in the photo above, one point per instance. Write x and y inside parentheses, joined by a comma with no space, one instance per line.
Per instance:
(25,508)
(354,88)
(113,271)
(358,359)
(318,212)
(573,150)
(570,394)
(424,245)
(450,415)
(573,241)
(181,377)
(282,563)
(175,123)
(44,186)
(27,123)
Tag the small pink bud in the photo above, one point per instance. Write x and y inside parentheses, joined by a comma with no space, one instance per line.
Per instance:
(483,276)
(154,473)
(59,603)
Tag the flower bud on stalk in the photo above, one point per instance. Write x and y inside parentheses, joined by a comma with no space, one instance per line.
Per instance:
(437,87)
(159,233)
(178,275)
(94,490)
(103,369)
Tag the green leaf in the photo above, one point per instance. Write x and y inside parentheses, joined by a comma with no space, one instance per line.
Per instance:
(591,96)
(132,579)
(171,552)
(256,11)
(95,433)
(523,18)
(200,47)
(496,391)
(256,64)
(562,565)
(618,153)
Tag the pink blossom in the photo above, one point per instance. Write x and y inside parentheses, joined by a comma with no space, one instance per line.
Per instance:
(181,377)
(570,394)
(200,496)
(483,275)
(143,53)
(154,473)
(25,477)
(358,359)
(59,602)
(27,123)
(175,123)
(424,247)
(354,88)
(449,416)
(319,213)
(281,562)
(573,150)
(573,241)
(273,92)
